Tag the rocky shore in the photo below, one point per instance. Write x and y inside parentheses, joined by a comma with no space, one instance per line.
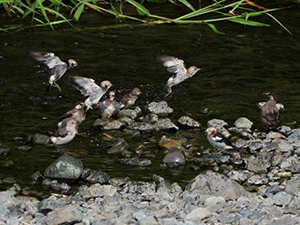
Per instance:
(261,187)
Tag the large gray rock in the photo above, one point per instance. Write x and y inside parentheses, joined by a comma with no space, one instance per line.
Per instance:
(136,161)
(7,198)
(164,124)
(243,122)
(188,122)
(159,108)
(41,139)
(65,167)
(51,203)
(97,177)
(174,158)
(216,123)
(130,113)
(291,164)
(259,164)
(97,190)
(67,215)
(211,183)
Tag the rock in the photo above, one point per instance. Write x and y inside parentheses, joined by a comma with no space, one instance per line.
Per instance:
(4,150)
(159,108)
(188,122)
(67,215)
(243,122)
(149,220)
(217,123)
(197,215)
(7,198)
(97,190)
(211,183)
(240,176)
(136,162)
(125,120)
(41,139)
(255,145)
(9,180)
(282,198)
(284,146)
(273,135)
(97,177)
(169,143)
(218,158)
(118,146)
(294,136)
(150,118)
(24,148)
(164,124)
(65,167)
(284,129)
(130,113)
(259,164)
(113,125)
(291,164)
(257,179)
(51,203)
(214,200)
(174,158)
(141,126)
(292,187)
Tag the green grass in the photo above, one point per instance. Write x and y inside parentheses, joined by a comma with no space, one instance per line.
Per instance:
(54,12)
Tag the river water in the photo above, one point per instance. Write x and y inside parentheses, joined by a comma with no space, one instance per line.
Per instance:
(236,69)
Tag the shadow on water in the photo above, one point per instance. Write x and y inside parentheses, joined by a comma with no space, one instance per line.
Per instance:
(236,69)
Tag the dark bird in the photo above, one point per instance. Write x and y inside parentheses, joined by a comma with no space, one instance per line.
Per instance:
(130,98)
(109,107)
(269,112)
(177,67)
(88,88)
(65,133)
(78,114)
(55,66)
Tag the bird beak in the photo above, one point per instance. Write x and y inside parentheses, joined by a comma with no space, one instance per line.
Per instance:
(266,93)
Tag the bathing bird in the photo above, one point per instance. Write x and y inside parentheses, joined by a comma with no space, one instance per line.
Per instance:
(109,107)
(270,114)
(78,114)
(89,88)
(65,133)
(177,67)
(55,67)
(130,98)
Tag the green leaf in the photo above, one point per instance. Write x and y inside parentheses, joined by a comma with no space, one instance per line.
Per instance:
(187,4)
(213,27)
(139,7)
(40,2)
(279,23)
(248,22)
(78,12)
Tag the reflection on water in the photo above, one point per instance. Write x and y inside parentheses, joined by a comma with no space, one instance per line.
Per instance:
(236,69)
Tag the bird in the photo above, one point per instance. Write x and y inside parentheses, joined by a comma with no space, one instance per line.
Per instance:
(78,114)
(89,88)
(220,142)
(55,66)
(130,98)
(270,114)
(177,67)
(65,133)
(109,107)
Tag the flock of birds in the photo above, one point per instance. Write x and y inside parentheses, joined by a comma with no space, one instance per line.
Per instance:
(69,122)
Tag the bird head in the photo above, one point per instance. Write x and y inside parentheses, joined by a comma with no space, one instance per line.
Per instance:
(72,63)
(193,70)
(210,131)
(271,95)
(111,95)
(80,105)
(136,91)
(105,85)
(72,124)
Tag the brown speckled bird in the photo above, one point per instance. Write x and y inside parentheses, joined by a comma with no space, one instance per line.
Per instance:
(269,112)
(130,98)
(176,66)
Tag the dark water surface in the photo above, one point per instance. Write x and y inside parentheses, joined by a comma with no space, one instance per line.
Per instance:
(236,69)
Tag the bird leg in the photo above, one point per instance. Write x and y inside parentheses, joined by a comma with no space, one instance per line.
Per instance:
(169,92)
(56,85)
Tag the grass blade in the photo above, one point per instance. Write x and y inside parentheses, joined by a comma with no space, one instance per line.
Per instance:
(279,23)
(139,7)
(213,27)
(187,4)
(78,12)
(40,2)
(248,22)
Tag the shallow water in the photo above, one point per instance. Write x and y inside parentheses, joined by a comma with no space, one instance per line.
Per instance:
(236,69)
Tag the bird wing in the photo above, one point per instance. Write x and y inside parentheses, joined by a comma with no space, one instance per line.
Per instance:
(68,114)
(221,139)
(173,64)
(86,86)
(47,58)
(59,70)
(271,114)
(102,106)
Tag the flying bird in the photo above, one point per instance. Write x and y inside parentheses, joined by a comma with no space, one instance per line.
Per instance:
(130,98)
(78,114)
(55,66)
(177,67)
(109,107)
(89,88)
(270,114)
(66,132)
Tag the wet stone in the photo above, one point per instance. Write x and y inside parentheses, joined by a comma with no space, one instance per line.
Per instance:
(97,177)
(130,113)
(259,164)
(65,167)
(169,143)
(174,158)
(188,122)
(136,162)
(159,108)
(118,146)
(140,126)
(9,180)
(219,159)
(164,124)
(4,150)
(24,148)
(240,175)
(41,139)
(150,118)
(294,136)
(257,180)
(243,122)
(113,125)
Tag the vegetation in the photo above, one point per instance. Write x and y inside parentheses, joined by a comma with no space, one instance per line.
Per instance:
(53,12)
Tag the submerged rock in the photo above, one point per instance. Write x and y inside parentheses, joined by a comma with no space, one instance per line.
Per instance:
(41,139)
(97,177)
(211,183)
(188,122)
(159,108)
(108,124)
(169,143)
(213,157)
(136,162)
(174,158)
(65,167)
(243,122)
(24,148)
(118,146)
